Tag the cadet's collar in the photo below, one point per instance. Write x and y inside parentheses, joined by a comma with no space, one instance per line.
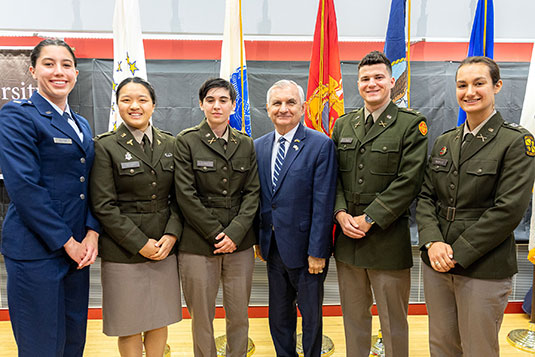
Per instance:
(138,134)
(477,128)
(377,113)
(225,134)
(58,109)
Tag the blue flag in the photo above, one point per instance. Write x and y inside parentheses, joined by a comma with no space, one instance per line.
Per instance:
(482,37)
(396,51)
(234,67)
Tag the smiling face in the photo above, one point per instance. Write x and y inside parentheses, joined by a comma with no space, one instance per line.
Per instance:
(375,84)
(285,108)
(55,73)
(217,106)
(135,105)
(475,91)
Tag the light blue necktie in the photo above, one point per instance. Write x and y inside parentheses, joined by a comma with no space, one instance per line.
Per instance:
(279,161)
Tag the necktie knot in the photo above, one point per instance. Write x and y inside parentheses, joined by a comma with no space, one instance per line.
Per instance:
(368,124)
(466,142)
(468,137)
(146,146)
(223,143)
(67,116)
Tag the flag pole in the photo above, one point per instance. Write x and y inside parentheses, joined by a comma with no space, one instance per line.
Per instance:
(317,125)
(241,75)
(484,31)
(409,56)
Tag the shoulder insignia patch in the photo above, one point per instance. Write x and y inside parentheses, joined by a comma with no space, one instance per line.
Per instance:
(529,143)
(423,128)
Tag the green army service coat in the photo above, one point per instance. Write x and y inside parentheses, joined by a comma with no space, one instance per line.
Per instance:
(380,174)
(133,197)
(474,201)
(217,190)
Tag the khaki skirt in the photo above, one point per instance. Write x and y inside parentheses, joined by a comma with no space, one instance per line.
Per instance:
(140,297)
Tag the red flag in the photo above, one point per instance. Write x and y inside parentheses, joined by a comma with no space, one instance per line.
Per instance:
(325,96)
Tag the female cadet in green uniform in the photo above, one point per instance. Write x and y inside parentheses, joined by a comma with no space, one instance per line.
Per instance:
(476,189)
(217,189)
(132,184)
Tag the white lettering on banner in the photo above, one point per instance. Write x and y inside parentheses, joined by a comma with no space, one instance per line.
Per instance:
(22,92)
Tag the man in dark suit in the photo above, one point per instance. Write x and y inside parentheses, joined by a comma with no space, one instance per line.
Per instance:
(297,169)
(381,152)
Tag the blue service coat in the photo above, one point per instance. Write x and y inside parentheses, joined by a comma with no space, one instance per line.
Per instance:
(46,169)
(300,210)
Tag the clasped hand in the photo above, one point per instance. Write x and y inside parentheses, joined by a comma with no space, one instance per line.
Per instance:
(441,257)
(84,253)
(225,244)
(158,250)
(353,227)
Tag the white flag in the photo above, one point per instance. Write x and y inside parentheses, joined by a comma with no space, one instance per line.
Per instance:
(128,52)
(527,120)
(233,67)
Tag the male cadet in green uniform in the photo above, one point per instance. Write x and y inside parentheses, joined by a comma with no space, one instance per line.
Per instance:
(381,154)
(217,190)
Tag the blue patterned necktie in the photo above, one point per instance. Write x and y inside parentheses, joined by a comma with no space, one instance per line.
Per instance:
(73,124)
(279,161)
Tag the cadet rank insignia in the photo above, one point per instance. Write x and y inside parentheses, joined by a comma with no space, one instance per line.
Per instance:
(423,128)
(443,151)
(529,143)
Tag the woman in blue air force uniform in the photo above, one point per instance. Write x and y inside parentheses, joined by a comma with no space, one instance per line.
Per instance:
(49,236)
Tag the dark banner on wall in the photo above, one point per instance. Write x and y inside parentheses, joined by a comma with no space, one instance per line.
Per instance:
(16,82)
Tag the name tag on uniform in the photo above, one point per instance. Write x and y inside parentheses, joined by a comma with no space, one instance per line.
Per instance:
(129,165)
(346,140)
(205,163)
(62,141)
(439,161)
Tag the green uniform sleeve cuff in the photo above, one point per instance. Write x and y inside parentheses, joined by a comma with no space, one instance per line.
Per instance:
(464,253)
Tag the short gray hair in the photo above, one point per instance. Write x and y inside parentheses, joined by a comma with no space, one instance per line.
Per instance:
(286,83)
